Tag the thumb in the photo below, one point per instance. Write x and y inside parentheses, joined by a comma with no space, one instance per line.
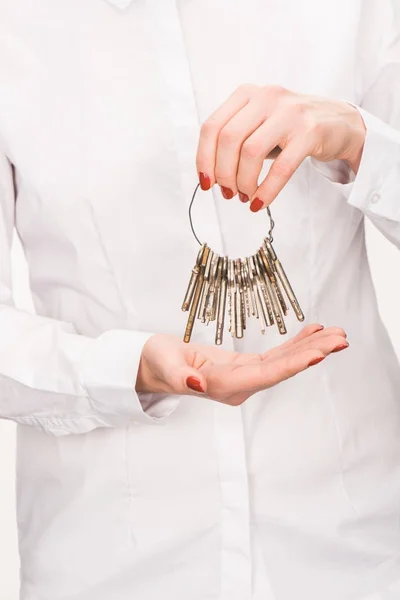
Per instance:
(191,381)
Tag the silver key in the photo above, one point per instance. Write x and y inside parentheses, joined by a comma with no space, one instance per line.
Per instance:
(206,286)
(261,310)
(284,281)
(272,293)
(240,326)
(196,297)
(251,284)
(245,288)
(223,266)
(231,300)
(265,291)
(269,264)
(212,288)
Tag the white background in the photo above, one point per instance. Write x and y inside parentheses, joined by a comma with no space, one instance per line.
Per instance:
(385,263)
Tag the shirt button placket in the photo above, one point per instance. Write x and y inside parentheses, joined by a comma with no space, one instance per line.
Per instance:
(228,424)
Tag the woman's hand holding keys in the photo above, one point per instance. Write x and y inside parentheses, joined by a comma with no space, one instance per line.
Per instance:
(256,123)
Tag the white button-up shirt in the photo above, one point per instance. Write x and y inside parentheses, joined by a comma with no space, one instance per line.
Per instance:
(296,494)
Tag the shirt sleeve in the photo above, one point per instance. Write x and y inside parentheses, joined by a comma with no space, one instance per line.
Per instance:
(376,188)
(53,378)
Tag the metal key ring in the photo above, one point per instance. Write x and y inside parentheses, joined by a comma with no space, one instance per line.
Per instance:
(271,221)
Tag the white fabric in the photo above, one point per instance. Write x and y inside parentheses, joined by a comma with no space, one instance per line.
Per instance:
(293,496)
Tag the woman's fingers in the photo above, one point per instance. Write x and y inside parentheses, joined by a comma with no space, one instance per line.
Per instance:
(232,143)
(304,333)
(273,353)
(169,366)
(255,121)
(286,367)
(301,355)
(298,359)
(321,344)
(281,171)
(210,131)
(235,380)
(305,336)
(258,145)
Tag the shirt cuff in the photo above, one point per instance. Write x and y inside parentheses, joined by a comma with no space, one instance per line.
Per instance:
(109,372)
(375,188)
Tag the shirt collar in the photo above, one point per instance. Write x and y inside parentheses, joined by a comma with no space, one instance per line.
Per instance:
(120,3)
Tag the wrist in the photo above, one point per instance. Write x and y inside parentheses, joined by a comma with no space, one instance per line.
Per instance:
(357,137)
(144,379)
(151,376)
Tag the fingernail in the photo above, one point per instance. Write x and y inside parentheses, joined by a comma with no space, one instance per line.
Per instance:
(320,328)
(256,205)
(226,192)
(194,384)
(243,197)
(316,361)
(341,347)
(205,181)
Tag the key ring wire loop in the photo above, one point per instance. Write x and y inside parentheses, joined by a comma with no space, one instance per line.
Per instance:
(271,221)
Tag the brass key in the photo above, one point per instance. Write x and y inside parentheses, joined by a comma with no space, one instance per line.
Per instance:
(212,285)
(206,286)
(218,278)
(261,309)
(250,284)
(245,288)
(285,281)
(268,266)
(222,301)
(232,298)
(265,291)
(240,326)
(196,296)
(274,299)
(193,280)
(262,295)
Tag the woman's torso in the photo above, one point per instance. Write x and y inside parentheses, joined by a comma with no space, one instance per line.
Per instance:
(298,489)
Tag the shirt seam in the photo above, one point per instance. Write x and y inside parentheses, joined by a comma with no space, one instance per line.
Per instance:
(331,403)
(108,261)
(314,311)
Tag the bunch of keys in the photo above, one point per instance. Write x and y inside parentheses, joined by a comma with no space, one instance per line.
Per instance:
(245,287)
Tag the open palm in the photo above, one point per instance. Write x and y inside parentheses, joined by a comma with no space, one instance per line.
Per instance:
(170,366)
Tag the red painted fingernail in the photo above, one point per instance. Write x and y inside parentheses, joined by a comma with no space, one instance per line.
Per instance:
(226,192)
(256,205)
(205,181)
(243,197)
(316,361)
(194,384)
(340,347)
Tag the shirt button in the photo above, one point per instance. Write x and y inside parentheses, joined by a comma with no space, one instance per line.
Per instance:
(375,198)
